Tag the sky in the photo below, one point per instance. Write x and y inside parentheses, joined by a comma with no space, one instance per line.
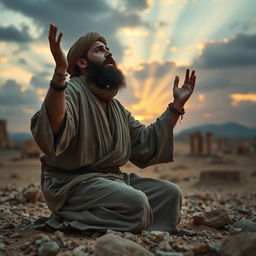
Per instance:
(152,42)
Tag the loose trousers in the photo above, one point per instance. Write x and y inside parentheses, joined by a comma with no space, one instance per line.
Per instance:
(130,203)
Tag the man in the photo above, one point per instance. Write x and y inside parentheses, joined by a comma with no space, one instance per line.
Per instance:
(86,135)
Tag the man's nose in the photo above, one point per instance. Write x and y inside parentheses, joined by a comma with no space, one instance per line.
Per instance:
(108,53)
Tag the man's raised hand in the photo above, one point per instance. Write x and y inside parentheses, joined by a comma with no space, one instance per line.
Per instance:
(182,94)
(57,52)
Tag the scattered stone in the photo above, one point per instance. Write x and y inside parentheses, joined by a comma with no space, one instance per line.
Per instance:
(239,245)
(201,249)
(128,235)
(73,243)
(215,249)
(245,225)
(15,235)
(162,253)
(111,244)
(60,239)
(32,194)
(244,211)
(165,246)
(68,253)
(49,248)
(182,247)
(215,219)
(2,245)
(186,232)
(8,226)
(220,176)
(80,251)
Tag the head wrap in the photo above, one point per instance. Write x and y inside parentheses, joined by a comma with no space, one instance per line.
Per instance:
(80,47)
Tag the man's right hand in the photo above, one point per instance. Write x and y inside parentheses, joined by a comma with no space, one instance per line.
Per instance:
(57,52)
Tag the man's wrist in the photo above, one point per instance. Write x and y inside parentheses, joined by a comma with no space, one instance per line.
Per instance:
(178,105)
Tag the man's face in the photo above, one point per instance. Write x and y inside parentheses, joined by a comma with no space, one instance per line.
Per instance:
(101,68)
(99,53)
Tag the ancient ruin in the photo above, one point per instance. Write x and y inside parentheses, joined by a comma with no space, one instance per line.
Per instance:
(201,145)
(4,141)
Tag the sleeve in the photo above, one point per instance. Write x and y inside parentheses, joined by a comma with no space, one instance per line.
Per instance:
(152,144)
(42,132)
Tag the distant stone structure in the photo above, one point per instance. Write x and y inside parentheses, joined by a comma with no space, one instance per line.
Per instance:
(4,141)
(197,143)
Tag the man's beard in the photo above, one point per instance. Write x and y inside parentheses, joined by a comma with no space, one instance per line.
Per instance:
(105,77)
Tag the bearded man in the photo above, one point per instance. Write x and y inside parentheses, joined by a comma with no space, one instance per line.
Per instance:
(86,136)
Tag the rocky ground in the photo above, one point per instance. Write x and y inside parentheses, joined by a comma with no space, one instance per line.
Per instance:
(218,218)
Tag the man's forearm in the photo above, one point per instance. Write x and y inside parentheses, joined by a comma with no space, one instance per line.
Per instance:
(175,116)
(55,102)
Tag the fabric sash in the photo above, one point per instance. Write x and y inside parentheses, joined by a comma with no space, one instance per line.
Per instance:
(83,170)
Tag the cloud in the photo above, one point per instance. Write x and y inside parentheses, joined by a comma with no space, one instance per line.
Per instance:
(12,95)
(12,34)
(75,19)
(134,5)
(154,69)
(40,80)
(241,97)
(238,51)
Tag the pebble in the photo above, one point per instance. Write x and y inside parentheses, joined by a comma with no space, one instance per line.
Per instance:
(80,251)
(215,219)
(111,244)
(159,252)
(245,225)
(50,248)
(239,245)
(15,235)
(2,245)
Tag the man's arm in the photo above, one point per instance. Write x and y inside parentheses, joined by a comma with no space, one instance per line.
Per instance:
(55,100)
(182,94)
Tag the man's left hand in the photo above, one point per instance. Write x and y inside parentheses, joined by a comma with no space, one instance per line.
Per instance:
(182,94)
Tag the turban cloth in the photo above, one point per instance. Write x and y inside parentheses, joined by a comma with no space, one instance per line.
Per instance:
(80,47)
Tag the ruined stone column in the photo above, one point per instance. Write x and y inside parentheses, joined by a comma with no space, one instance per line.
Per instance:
(200,139)
(209,136)
(193,145)
(3,134)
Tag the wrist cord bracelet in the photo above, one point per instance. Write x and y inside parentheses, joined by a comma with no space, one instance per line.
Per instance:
(176,111)
(58,88)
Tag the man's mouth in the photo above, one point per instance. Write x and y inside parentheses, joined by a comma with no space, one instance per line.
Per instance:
(109,62)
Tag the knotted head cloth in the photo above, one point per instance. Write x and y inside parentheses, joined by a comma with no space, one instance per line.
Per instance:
(80,47)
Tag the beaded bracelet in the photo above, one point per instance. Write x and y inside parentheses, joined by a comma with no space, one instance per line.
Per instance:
(176,111)
(58,88)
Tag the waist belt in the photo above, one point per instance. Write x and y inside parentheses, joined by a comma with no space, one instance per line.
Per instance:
(83,170)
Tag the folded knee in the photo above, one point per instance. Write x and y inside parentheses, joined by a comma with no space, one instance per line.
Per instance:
(141,211)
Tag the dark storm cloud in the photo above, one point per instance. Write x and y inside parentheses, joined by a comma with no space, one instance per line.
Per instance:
(239,51)
(11,95)
(40,80)
(12,34)
(75,18)
(154,69)
(135,5)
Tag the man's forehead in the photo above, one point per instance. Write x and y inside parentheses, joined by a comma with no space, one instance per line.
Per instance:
(96,44)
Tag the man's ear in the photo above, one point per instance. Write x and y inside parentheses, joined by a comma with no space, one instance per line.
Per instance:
(81,63)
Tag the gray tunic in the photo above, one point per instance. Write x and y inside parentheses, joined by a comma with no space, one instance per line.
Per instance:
(91,138)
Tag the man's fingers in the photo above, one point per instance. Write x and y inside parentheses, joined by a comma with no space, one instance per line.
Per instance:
(176,81)
(186,76)
(192,75)
(59,37)
(193,82)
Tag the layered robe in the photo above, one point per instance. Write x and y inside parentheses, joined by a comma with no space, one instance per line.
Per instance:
(90,137)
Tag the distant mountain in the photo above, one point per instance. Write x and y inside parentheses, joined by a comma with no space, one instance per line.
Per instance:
(230,130)
(19,138)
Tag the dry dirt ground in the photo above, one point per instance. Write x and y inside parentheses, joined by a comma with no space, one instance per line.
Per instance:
(233,196)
